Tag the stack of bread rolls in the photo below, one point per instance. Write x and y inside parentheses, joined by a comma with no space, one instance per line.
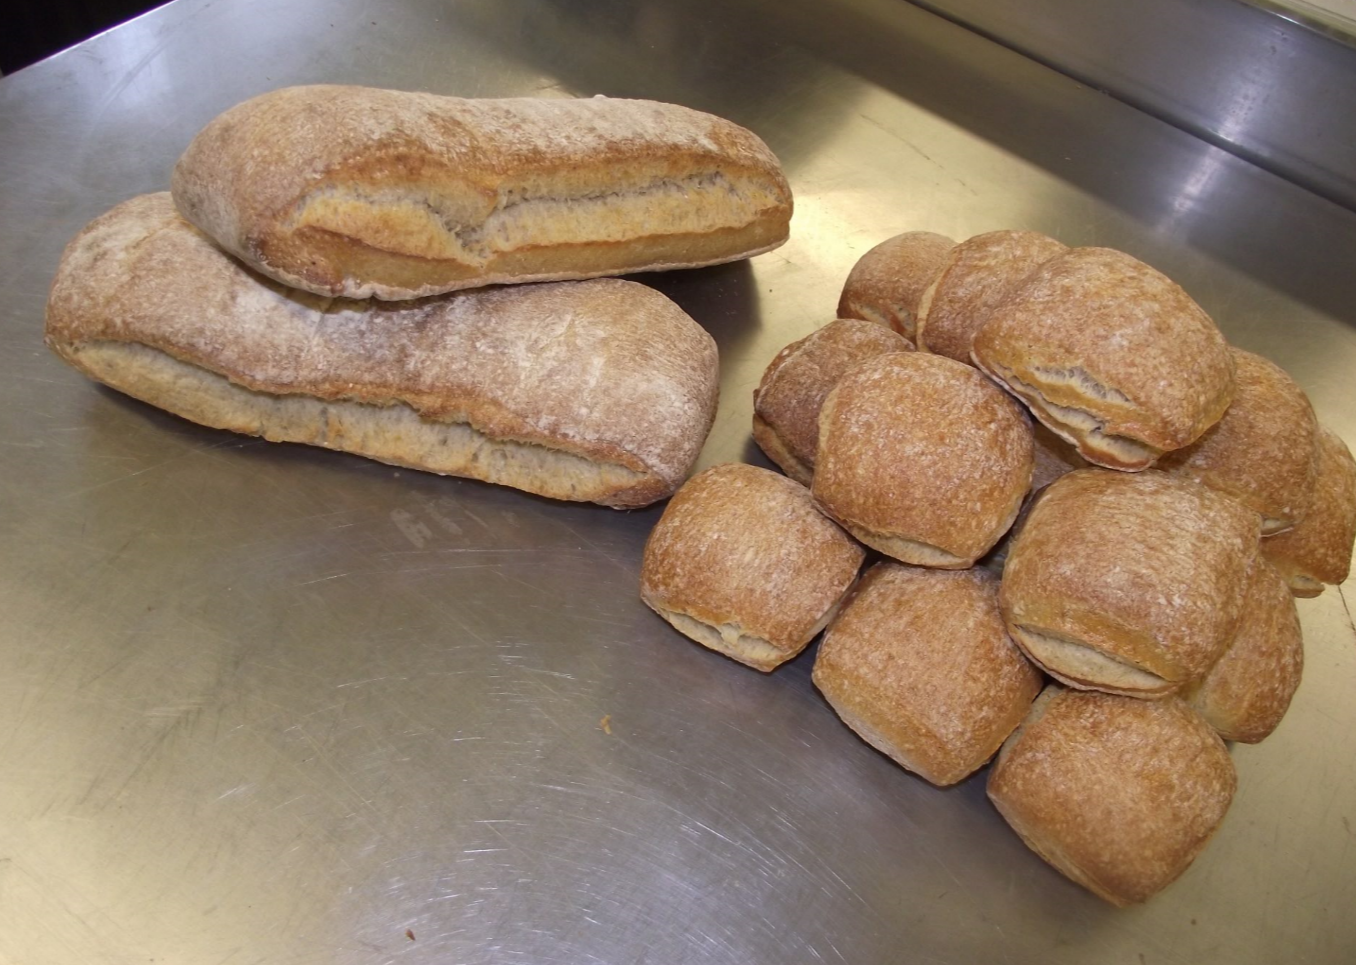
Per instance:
(1077,489)
(319,274)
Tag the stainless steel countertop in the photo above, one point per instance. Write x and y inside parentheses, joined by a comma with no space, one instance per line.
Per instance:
(262,703)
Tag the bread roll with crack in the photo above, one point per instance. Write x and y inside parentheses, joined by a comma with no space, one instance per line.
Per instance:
(601,391)
(887,283)
(787,401)
(743,563)
(1249,689)
(1264,449)
(920,666)
(1128,583)
(922,458)
(1111,355)
(361,192)
(975,277)
(1317,550)
(1119,795)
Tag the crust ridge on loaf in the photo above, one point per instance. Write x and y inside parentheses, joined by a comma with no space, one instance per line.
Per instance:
(527,386)
(363,192)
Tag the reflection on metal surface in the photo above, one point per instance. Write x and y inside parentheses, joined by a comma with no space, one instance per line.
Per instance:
(266,703)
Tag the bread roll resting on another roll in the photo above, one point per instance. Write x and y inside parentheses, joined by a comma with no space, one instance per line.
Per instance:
(362,192)
(887,283)
(600,391)
(1317,549)
(743,563)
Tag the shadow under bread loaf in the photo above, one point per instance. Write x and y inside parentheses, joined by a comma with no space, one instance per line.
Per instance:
(975,276)
(1248,690)
(887,283)
(1110,355)
(1317,549)
(361,192)
(787,401)
(1119,795)
(920,666)
(598,391)
(1131,583)
(1264,449)
(922,458)
(743,563)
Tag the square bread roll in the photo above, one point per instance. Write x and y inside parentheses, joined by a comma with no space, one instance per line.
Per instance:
(1130,583)
(919,664)
(743,563)
(888,281)
(1118,794)
(1317,549)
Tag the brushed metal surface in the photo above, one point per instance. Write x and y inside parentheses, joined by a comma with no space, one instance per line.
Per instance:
(262,703)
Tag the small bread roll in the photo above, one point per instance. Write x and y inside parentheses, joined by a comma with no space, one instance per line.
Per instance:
(743,563)
(1317,549)
(1111,355)
(887,282)
(922,458)
(1264,449)
(978,274)
(919,664)
(1119,795)
(786,403)
(1249,689)
(1126,583)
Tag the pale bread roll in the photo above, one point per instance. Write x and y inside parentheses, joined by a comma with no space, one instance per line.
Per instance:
(362,192)
(601,391)
(1128,583)
(1250,687)
(922,458)
(1317,550)
(743,563)
(1111,355)
(919,664)
(1120,795)
(793,388)
(887,283)
(1264,449)
(975,277)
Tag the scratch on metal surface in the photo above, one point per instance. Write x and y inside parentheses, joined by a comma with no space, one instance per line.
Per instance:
(1350,625)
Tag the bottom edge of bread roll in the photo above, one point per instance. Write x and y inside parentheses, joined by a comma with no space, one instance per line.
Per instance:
(393,434)
(729,639)
(900,755)
(908,550)
(1084,668)
(771,443)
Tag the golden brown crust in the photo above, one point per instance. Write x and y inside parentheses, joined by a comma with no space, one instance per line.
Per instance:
(976,276)
(886,283)
(919,664)
(1129,583)
(1249,689)
(1111,355)
(742,563)
(787,401)
(362,192)
(922,458)
(1317,549)
(605,372)
(1264,449)
(1118,794)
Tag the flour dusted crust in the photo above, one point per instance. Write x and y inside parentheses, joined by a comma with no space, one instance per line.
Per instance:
(974,278)
(363,192)
(1120,795)
(742,563)
(919,664)
(1250,687)
(1128,583)
(1111,355)
(1264,449)
(600,391)
(922,458)
(1317,550)
(887,283)
(787,401)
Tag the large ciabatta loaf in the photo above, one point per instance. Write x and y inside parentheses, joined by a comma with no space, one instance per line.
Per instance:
(600,391)
(362,192)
